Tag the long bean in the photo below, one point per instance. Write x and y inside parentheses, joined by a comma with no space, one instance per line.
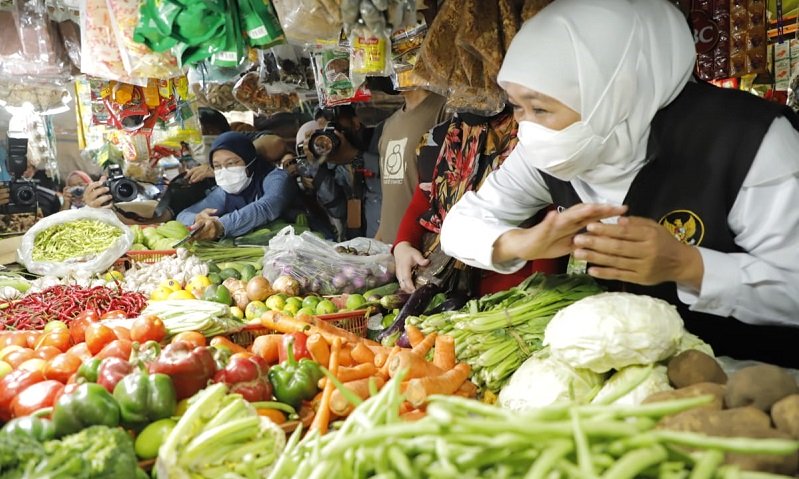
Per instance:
(74,239)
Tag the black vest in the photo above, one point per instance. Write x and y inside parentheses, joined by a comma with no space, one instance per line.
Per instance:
(699,152)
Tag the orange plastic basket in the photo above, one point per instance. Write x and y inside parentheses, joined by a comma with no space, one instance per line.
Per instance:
(142,257)
(352,321)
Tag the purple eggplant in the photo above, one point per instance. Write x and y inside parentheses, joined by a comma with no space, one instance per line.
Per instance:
(453,303)
(415,306)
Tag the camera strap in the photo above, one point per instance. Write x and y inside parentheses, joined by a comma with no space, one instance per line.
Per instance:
(130,215)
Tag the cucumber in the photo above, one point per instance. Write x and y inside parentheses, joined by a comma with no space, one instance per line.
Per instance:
(381,291)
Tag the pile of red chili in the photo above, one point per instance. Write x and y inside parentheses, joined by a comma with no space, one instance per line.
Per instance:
(64,303)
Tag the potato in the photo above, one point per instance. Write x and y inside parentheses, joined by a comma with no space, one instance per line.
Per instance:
(701,389)
(785,414)
(694,367)
(737,422)
(760,386)
(775,464)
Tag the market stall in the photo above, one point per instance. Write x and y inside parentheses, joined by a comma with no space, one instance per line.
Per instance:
(133,350)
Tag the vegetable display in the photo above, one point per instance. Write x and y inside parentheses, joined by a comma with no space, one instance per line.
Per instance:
(65,303)
(75,239)
(463,438)
(496,333)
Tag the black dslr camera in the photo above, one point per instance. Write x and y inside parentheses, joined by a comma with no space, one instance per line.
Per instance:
(324,142)
(22,192)
(122,189)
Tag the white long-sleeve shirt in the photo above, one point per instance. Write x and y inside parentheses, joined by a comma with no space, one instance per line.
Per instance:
(759,286)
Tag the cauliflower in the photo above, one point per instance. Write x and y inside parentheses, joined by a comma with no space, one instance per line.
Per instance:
(614,330)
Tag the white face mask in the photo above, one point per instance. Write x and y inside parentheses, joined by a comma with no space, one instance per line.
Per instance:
(233,179)
(564,154)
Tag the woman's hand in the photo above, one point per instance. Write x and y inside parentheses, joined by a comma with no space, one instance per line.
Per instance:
(641,251)
(406,258)
(199,173)
(553,236)
(208,227)
(97,195)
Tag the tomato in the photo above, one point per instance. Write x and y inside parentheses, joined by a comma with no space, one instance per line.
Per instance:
(62,367)
(6,350)
(300,348)
(31,338)
(115,314)
(15,358)
(54,326)
(68,389)
(194,338)
(78,326)
(35,397)
(122,333)
(13,384)
(16,338)
(150,439)
(47,352)
(148,328)
(33,364)
(80,350)
(118,348)
(60,339)
(5,368)
(97,336)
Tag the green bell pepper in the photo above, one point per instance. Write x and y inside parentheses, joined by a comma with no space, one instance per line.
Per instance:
(35,427)
(295,381)
(88,371)
(144,398)
(89,405)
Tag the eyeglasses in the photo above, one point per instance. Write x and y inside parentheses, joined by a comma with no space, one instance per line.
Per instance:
(229,163)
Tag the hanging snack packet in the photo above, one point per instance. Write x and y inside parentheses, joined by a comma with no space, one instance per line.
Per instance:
(370,54)
(232,53)
(100,53)
(260,23)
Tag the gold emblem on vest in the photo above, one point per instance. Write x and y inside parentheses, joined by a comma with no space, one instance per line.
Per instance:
(684,225)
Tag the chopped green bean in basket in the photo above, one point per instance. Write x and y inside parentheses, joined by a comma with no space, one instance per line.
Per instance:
(74,239)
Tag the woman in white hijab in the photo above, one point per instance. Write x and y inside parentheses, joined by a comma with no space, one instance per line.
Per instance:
(669,187)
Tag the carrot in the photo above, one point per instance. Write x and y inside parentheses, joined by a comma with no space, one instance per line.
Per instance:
(448,383)
(268,347)
(322,419)
(345,356)
(384,369)
(327,329)
(444,354)
(360,387)
(362,354)
(381,358)
(319,349)
(413,415)
(225,342)
(415,336)
(405,407)
(467,390)
(426,345)
(276,416)
(283,323)
(360,371)
(416,366)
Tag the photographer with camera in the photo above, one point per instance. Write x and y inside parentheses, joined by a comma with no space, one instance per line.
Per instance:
(76,184)
(114,187)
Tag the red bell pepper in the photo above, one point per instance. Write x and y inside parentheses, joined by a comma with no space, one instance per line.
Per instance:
(300,348)
(111,371)
(190,367)
(14,383)
(247,375)
(35,397)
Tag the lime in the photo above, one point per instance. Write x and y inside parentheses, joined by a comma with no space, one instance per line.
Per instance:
(229,273)
(311,302)
(217,294)
(5,368)
(214,278)
(160,294)
(236,312)
(295,301)
(112,276)
(150,439)
(291,308)
(325,307)
(355,301)
(213,268)
(255,310)
(275,302)
(306,311)
(180,294)
(248,272)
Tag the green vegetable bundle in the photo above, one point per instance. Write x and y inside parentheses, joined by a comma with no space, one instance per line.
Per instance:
(206,317)
(497,333)
(225,251)
(220,435)
(74,239)
(463,438)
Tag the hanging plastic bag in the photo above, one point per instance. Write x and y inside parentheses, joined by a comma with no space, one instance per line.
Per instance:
(100,53)
(370,54)
(305,22)
(95,262)
(260,23)
(138,59)
(323,267)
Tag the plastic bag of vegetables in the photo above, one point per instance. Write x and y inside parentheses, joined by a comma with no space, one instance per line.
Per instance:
(87,239)
(326,268)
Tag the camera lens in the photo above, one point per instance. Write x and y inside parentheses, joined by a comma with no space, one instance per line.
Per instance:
(77,192)
(125,190)
(25,196)
(322,145)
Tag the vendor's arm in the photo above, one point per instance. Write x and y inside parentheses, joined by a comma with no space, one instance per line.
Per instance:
(280,192)
(762,284)
(214,200)
(409,240)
